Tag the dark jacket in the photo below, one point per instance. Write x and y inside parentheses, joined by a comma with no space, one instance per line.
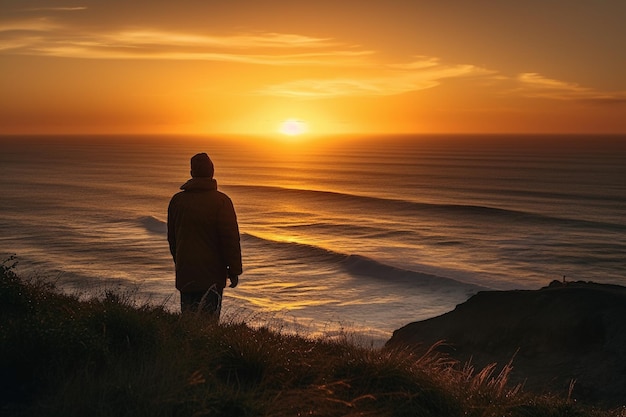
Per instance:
(203,235)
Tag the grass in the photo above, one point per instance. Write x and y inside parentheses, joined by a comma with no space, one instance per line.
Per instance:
(107,356)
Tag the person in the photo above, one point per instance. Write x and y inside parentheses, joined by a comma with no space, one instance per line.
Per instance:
(203,236)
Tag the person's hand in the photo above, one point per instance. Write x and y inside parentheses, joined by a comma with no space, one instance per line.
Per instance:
(234,280)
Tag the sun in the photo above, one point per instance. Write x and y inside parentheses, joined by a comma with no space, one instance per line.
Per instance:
(293,127)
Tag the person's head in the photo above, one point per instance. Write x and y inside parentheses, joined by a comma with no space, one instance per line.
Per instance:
(201,166)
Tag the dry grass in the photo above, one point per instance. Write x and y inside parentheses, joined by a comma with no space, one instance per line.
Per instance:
(106,356)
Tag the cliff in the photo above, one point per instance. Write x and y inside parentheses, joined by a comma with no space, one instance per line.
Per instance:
(565,332)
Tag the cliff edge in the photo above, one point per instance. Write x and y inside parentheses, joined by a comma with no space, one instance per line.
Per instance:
(572,331)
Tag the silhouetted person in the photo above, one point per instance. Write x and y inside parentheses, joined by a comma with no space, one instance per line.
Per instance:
(203,235)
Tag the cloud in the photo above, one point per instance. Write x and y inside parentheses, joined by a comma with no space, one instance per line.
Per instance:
(536,85)
(14,29)
(320,88)
(139,38)
(420,74)
(45,37)
(55,9)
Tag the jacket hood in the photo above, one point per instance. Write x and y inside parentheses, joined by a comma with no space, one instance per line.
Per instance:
(199,183)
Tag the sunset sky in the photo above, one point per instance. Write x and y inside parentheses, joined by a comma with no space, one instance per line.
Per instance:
(336,67)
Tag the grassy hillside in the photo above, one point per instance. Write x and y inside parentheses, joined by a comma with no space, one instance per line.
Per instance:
(60,356)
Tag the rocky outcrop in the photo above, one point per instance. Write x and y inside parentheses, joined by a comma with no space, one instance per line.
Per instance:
(565,332)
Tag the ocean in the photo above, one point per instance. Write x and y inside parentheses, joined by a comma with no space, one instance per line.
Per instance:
(353,234)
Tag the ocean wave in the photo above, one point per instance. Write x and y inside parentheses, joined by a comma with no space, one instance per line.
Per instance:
(360,266)
(153,224)
(398,207)
(361,231)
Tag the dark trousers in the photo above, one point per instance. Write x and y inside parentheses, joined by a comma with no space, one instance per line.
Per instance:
(209,301)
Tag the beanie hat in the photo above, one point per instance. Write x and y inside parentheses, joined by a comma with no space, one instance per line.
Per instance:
(201,166)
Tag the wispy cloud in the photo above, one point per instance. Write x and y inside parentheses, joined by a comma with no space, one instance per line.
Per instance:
(139,38)
(55,9)
(536,85)
(13,30)
(321,88)
(90,51)
(420,74)
(46,38)
(428,72)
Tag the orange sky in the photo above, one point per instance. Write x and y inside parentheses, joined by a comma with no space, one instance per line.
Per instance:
(395,66)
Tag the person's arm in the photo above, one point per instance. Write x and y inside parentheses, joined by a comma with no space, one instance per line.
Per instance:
(171,231)
(230,240)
